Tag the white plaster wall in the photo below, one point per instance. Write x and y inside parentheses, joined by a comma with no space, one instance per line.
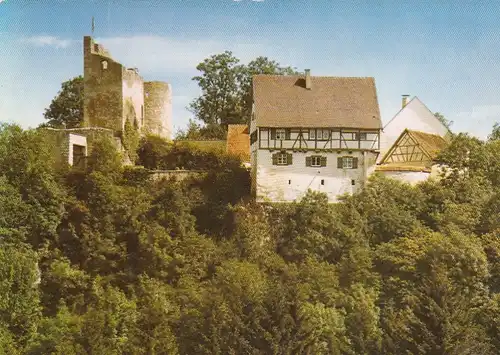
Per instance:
(76,140)
(414,116)
(272,181)
(411,177)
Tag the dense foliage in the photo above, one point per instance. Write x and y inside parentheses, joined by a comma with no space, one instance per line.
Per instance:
(66,109)
(226,96)
(108,261)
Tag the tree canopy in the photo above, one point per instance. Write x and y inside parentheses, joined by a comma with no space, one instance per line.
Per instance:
(110,261)
(226,92)
(66,109)
(443,120)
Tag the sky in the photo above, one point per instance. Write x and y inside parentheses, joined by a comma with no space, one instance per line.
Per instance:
(446,53)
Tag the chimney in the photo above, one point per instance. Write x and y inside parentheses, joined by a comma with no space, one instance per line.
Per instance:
(405,99)
(308,79)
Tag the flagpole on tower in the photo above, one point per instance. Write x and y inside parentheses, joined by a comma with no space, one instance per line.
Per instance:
(93,25)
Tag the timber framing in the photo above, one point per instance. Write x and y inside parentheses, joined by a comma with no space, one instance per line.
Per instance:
(412,147)
(338,139)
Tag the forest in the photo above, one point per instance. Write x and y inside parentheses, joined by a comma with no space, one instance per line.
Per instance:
(108,261)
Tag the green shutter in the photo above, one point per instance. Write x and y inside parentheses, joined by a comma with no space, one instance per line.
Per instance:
(273,133)
(275,159)
(287,133)
(289,159)
(323,161)
(339,163)
(355,163)
(308,161)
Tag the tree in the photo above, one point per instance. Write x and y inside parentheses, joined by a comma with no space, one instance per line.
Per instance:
(219,82)
(495,133)
(227,92)
(66,109)
(195,131)
(443,120)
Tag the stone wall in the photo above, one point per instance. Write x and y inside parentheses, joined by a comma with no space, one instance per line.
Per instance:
(62,139)
(133,97)
(103,88)
(178,175)
(158,108)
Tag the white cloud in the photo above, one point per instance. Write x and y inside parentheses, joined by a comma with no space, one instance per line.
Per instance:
(50,41)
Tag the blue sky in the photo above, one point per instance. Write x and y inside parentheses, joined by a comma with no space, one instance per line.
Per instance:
(446,53)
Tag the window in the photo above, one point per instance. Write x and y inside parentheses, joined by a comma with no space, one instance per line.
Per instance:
(316,161)
(104,64)
(347,162)
(289,182)
(280,134)
(360,136)
(282,159)
(353,182)
(320,134)
(322,182)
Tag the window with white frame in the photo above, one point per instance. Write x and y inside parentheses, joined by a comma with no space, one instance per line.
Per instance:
(361,136)
(347,162)
(280,134)
(282,159)
(104,64)
(320,134)
(315,161)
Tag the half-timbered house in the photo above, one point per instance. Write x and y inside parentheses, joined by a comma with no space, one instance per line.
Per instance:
(312,132)
(412,157)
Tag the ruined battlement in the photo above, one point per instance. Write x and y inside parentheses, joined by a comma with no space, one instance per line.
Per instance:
(95,48)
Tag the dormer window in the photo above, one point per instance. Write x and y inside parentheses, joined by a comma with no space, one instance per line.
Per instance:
(104,64)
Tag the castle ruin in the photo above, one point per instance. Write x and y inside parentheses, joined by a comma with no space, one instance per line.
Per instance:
(113,96)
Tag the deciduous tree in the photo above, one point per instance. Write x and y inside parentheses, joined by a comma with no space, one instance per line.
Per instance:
(66,109)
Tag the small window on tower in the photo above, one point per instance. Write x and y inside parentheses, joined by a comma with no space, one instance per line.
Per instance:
(104,64)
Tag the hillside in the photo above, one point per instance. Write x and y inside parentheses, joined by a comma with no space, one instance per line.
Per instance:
(108,261)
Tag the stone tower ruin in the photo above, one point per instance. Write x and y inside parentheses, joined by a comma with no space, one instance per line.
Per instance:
(158,108)
(114,94)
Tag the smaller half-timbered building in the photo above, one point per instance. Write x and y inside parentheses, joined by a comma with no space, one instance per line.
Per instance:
(412,157)
(312,132)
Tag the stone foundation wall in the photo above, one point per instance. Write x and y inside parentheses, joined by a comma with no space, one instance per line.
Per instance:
(178,175)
